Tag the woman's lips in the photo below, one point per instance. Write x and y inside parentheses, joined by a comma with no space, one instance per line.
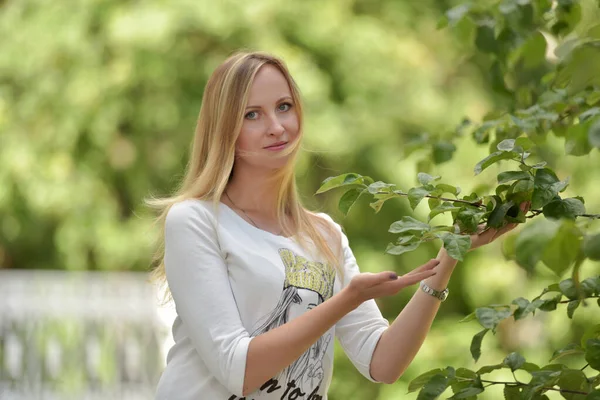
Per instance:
(277,147)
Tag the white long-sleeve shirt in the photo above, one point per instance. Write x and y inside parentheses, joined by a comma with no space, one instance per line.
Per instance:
(230,282)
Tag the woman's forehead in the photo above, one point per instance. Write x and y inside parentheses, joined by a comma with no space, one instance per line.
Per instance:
(269,85)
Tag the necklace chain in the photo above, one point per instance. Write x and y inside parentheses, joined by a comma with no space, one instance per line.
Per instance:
(246,214)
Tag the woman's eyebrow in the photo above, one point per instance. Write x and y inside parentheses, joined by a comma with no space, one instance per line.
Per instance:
(281,99)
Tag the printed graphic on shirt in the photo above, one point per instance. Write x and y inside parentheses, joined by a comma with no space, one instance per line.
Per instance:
(307,284)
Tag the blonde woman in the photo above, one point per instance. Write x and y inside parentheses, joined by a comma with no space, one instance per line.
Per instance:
(261,285)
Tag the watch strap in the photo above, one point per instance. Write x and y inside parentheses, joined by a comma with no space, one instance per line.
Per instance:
(441,295)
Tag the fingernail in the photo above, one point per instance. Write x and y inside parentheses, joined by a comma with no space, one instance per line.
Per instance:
(393,276)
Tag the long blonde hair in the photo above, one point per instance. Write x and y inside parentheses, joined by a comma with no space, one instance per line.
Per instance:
(212,157)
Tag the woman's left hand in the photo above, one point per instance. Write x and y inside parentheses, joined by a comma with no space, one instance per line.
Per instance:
(486,236)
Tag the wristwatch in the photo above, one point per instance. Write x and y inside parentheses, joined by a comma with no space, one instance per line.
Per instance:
(435,293)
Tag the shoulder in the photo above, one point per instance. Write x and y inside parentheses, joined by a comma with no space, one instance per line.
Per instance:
(190,211)
(326,220)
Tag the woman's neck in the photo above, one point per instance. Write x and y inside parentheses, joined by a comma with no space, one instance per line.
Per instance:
(253,193)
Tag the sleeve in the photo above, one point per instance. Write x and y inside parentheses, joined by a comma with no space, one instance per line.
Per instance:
(358,331)
(198,279)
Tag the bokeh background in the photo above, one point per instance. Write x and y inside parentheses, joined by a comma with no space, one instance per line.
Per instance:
(98,103)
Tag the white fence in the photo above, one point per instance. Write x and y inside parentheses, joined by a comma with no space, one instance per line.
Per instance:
(83,335)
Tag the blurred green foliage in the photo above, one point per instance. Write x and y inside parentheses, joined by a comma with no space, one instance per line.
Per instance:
(98,102)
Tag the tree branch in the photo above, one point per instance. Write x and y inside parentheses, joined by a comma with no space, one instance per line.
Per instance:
(524,384)
(474,204)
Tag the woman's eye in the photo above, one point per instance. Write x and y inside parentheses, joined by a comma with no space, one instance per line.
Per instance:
(285,106)
(251,115)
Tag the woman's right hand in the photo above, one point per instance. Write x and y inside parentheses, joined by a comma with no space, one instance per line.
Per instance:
(367,286)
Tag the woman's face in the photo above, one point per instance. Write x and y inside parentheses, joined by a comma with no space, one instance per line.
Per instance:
(310,299)
(270,118)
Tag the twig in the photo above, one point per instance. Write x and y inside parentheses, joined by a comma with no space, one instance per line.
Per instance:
(474,204)
(568,301)
(524,384)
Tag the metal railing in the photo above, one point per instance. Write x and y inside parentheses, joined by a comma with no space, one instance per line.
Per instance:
(80,335)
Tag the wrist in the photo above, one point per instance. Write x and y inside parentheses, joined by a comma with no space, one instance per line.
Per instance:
(445,258)
(350,298)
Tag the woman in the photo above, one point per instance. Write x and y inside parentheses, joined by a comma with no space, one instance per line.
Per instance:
(261,285)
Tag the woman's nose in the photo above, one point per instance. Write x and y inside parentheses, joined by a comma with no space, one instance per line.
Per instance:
(275,126)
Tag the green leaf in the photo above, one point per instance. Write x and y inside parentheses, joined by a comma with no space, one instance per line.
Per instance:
(465,378)
(456,245)
(542,378)
(468,318)
(594,133)
(591,332)
(485,39)
(591,247)
(546,187)
(592,353)
(592,112)
(468,218)
(468,392)
(476,344)
(570,349)
(422,379)
(534,50)
(524,142)
(434,388)
(457,13)
(533,241)
(490,317)
(489,368)
(577,140)
(380,186)
(530,367)
(549,304)
(514,361)
(522,308)
(494,158)
(564,208)
(511,392)
(445,188)
(571,307)
(496,218)
(425,179)
(591,286)
(442,152)
(415,195)
(563,248)
(593,395)
(397,249)
(381,198)
(568,288)
(348,199)
(506,145)
(508,176)
(442,208)
(573,380)
(344,180)
(409,224)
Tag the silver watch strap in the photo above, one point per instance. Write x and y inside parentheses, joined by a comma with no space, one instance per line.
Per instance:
(441,295)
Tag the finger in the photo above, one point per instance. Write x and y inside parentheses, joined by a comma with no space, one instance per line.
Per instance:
(425,267)
(370,279)
(503,230)
(488,235)
(483,228)
(409,280)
